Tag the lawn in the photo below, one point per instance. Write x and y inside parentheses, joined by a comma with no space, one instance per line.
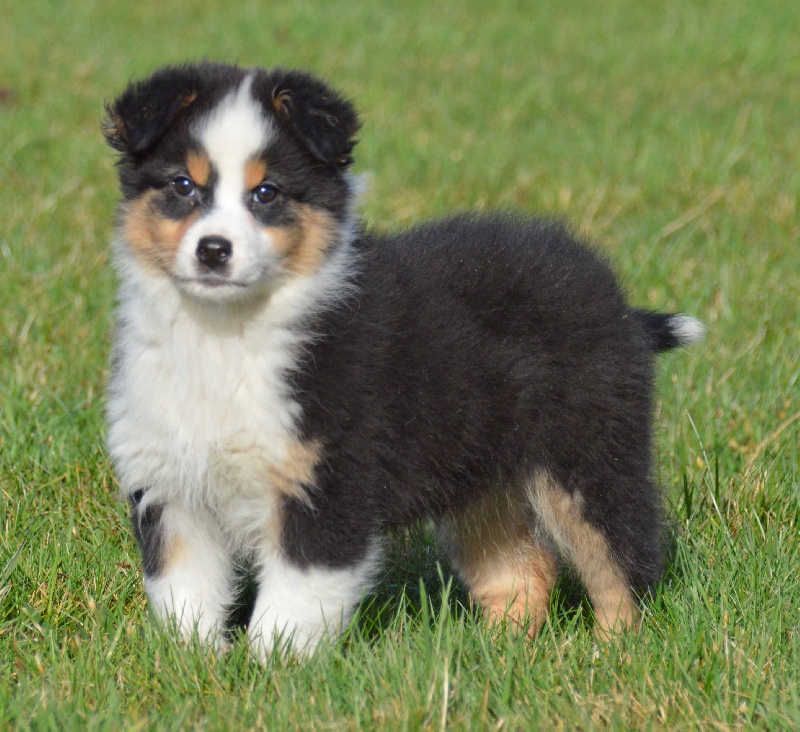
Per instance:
(668,132)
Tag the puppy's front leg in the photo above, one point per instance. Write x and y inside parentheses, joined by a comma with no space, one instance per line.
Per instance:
(188,572)
(297,605)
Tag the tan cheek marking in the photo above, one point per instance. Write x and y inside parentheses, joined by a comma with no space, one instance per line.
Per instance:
(286,239)
(255,171)
(505,565)
(304,244)
(199,168)
(318,235)
(586,547)
(151,237)
(296,472)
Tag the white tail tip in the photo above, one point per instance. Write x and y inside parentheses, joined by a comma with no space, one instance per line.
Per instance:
(686,329)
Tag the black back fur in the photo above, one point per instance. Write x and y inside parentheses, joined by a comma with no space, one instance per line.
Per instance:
(481,349)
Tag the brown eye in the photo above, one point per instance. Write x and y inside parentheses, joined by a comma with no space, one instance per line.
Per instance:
(183,186)
(265,193)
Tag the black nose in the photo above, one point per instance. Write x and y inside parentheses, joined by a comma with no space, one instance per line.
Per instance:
(213,251)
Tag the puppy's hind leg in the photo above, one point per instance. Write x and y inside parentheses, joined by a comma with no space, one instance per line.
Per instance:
(507,564)
(606,579)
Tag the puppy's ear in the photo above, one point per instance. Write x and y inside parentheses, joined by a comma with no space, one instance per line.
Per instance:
(143,113)
(324,121)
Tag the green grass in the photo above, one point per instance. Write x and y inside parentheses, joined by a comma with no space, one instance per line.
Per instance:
(668,131)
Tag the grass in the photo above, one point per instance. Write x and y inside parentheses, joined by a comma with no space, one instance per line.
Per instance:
(666,131)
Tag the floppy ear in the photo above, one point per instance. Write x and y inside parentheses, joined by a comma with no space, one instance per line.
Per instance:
(324,120)
(141,115)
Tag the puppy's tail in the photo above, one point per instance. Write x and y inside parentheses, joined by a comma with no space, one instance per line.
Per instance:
(670,330)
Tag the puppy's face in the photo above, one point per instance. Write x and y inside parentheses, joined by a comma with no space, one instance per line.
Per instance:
(233,180)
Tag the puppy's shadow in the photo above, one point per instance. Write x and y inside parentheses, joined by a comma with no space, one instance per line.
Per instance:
(418,581)
(417,572)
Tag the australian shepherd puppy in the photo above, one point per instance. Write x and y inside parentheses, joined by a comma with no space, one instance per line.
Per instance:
(288,387)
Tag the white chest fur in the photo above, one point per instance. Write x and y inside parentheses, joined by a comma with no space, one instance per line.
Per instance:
(199,407)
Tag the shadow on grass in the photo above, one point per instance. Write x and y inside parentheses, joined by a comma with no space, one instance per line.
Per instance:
(416,572)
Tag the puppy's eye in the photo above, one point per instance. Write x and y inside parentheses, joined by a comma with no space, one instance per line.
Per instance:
(184,186)
(265,193)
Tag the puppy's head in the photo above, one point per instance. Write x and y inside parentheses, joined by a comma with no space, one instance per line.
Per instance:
(232,179)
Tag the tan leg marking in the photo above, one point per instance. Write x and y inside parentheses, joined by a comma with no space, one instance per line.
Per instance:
(506,567)
(151,237)
(296,473)
(246,466)
(587,549)
(174,552)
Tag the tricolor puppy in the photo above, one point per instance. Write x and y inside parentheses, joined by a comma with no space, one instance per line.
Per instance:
(288,387)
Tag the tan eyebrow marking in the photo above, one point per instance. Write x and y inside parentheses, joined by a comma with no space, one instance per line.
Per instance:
(254,172)
(199,167)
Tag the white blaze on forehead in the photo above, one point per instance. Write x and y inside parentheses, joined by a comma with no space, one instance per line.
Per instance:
(233,133)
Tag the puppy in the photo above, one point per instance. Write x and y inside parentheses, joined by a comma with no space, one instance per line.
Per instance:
(288,387)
